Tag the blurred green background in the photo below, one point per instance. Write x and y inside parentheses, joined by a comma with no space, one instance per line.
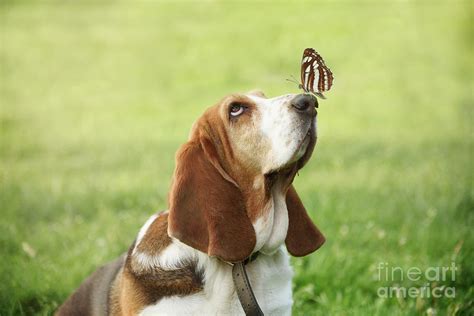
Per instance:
(97,97)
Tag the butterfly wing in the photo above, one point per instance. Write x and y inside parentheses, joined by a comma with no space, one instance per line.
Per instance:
(316,77)
(325,75)
(307,70)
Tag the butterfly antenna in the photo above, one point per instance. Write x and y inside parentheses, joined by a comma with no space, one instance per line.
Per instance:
(293,80)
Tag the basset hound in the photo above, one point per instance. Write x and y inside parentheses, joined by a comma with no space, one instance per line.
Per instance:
(231,197)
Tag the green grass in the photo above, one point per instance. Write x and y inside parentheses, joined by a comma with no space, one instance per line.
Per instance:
(96,98)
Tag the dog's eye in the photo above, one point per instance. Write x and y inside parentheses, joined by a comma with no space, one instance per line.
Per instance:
(236,109)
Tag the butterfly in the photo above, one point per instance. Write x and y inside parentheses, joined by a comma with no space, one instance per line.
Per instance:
(316,77)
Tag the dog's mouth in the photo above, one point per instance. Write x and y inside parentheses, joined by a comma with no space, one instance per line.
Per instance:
(307,145)
(300,157)
(301,148)
(302,153)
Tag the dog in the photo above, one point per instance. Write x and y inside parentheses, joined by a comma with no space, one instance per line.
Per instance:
(231,198)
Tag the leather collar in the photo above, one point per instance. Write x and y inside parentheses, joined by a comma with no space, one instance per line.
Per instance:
(244,289)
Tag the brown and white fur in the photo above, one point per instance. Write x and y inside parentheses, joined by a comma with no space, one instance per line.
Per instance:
(231,196)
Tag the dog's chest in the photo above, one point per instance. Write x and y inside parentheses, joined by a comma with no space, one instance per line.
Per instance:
(270,277)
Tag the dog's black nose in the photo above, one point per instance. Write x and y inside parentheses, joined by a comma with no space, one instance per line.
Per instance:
(304,103)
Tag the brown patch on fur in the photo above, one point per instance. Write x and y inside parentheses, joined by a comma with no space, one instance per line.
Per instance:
(115,295)
(156,238)
(257,198)
(134,290)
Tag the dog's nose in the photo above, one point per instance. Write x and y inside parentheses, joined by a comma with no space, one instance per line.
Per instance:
(304,103)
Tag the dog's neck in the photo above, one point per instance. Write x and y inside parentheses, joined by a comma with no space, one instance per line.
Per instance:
(272,225)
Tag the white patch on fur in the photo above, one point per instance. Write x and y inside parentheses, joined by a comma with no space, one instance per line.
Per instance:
(143,261)
(280,222)
(285,128)
(172,257)
(271,228)
(270,277)
(258,183)
(263,226)
(176,255)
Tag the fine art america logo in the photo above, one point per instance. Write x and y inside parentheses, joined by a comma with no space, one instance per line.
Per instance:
(429,281)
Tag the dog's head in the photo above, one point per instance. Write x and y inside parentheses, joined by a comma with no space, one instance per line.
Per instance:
(231,193)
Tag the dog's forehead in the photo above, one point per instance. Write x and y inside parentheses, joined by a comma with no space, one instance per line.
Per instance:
(273,101)
(216,113)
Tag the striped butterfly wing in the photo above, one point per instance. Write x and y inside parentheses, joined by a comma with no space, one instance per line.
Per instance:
(316,77)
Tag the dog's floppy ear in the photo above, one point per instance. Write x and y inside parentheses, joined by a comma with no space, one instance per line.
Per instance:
(206,210)
(303,237)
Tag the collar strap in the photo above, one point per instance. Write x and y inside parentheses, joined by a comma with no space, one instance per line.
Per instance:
(244,289)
